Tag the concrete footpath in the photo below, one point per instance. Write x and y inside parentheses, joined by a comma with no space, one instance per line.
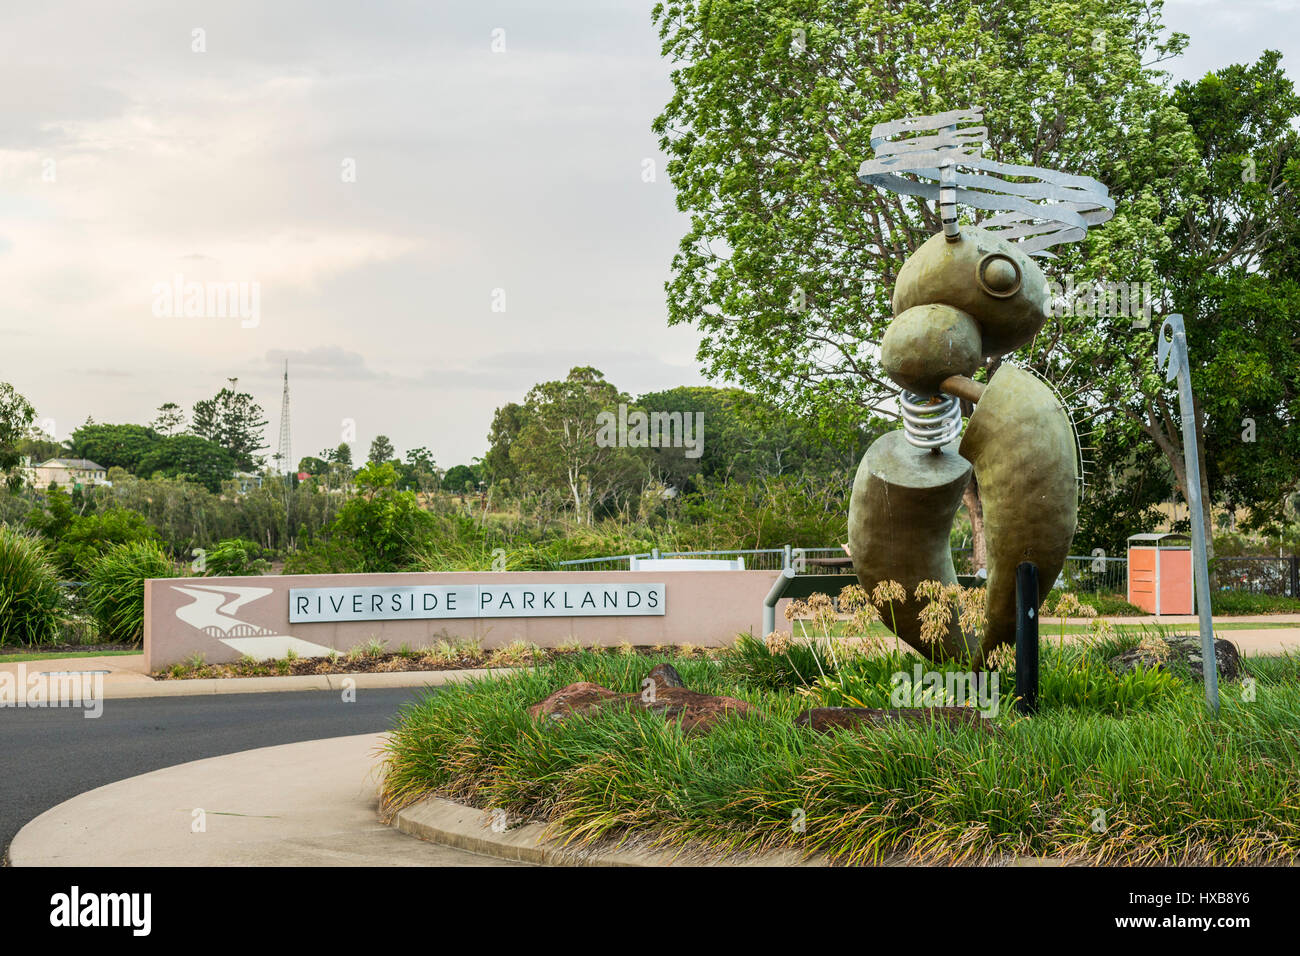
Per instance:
(1269,634)
(303,804)
(124,675)
(312,804)
(306,804)
(1254,634)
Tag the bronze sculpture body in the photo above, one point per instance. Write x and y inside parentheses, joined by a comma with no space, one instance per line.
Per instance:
(967,295)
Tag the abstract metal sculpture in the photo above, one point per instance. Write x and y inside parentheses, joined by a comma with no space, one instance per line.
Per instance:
(1171,355)
(968,294)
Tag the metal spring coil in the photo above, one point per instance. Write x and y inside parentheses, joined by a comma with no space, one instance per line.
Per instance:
(930,422)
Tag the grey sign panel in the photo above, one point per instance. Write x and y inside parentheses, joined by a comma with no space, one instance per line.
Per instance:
(434,601)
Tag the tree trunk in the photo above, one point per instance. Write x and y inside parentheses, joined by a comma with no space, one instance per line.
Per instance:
(577,498)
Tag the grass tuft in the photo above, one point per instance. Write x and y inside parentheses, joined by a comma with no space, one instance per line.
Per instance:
(1170,783)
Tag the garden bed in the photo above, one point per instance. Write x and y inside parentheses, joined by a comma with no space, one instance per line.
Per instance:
(373,658)
(1114,769)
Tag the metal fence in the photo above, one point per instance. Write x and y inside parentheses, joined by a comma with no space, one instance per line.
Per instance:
(1257,575)
(1081,573)
(1094,575)
(756,559)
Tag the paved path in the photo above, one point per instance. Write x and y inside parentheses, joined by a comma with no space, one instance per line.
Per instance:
(124,675)
(302,804)
(50,755)
(1280,636)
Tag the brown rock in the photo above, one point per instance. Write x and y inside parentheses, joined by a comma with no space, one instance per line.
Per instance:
(695,710)
(666,696)
(583,697)
(665,675)
(831,718)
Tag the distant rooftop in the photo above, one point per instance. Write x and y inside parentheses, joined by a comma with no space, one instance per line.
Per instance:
(85,464)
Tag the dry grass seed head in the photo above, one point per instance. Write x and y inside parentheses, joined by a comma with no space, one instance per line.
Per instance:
(778,642)
(853,598)
(888,591)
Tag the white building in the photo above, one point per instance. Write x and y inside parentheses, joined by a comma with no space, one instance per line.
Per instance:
(68,473)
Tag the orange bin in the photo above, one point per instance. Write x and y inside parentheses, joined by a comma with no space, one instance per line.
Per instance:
(1160,573)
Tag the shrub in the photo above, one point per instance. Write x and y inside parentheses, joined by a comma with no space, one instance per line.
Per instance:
(1106,605)
(89,536)
(387,526)
(765,513)
(782,664)
(116,588)
(236,556)
(329,556)
(31,600)
(1242,602)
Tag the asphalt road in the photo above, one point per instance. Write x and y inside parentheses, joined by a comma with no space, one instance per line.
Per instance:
(48,755)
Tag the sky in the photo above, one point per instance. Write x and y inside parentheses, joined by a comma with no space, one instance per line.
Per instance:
(426,207)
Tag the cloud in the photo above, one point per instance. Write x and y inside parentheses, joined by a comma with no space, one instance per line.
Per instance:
(504,371)
(325,361)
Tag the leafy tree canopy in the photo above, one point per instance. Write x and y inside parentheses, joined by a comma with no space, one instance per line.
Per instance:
(16,416)
(235,421)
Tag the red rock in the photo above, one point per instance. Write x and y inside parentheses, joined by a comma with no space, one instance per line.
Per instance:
(673,701)
(695,710)
(582,697)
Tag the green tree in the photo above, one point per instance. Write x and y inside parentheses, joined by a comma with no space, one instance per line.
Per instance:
(16,416)
(1233,259)
(506,423)
(385,526)
(76,540)
(89,536)
(788,264)
(114,446)
(420,471)
(1227,264)
(40,447)
(233,420)
(192,457)
(381,450)
(170,418)
(460,479)
(560,444)
(739,435)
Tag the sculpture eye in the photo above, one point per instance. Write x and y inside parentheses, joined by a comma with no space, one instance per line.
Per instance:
(998,275)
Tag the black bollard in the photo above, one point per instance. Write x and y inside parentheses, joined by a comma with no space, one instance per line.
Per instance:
(1027,637)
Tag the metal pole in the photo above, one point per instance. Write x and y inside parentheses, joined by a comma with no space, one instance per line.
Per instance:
(774,595)
(1027,637)
(1175,351)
